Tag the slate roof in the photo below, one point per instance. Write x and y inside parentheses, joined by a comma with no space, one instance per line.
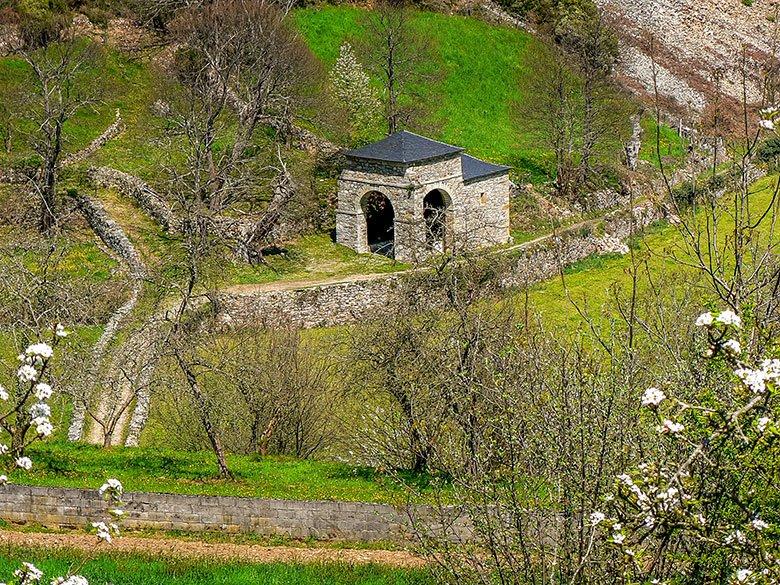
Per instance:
(404,147)
(473,168)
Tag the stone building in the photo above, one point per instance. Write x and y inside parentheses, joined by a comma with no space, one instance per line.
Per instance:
(408,196)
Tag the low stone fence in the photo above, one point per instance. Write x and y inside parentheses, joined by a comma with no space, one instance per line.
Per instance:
(322,520)
(351,301)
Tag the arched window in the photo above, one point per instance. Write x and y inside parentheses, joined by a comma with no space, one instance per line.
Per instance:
(435,208)
(380,223)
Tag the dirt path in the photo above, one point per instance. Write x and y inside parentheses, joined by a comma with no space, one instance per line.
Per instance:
(186,549)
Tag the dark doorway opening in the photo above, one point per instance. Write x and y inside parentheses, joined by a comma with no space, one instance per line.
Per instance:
(380,228)
(435,216)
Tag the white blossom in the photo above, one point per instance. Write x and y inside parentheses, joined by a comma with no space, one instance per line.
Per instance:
(40,410)
(43,391)
(43,426)
(3,449)
(732,346)
(671,427)
(705,320)
(27,373)
(762,423)
(737,537)
(743,574)
(72,580)
(3,393)
(24,463)
(41,350)
(59,331)
(767,124)
(3,479)
(596,518)
(759,524)
(753,379)
(769,111)
(112,486)
(618,538)
(728,317)
(652,397)
(29,573)
(103,533)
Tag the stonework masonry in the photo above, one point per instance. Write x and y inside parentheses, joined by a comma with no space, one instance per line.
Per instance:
(360,299)
(477,211)
(322,520)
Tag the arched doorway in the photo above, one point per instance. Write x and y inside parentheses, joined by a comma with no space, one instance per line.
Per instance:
(380,223)
(435,208)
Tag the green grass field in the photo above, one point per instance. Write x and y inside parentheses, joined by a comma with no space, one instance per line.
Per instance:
(151,469)
(139,570)
(593,282)
(484,72)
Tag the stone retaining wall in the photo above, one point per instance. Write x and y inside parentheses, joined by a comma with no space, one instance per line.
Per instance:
(76,508)
(357,300)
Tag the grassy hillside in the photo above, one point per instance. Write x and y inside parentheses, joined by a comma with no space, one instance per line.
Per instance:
(485,71)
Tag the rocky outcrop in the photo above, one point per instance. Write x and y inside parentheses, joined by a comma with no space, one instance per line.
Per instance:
(693,40)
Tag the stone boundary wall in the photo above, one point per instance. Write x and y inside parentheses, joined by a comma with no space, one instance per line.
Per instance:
(322,520)
(350,301)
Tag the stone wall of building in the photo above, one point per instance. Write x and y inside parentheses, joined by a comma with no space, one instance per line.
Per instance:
(478,213)
(323,520)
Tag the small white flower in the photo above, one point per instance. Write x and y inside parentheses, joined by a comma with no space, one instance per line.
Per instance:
(24,463)
(40,410)
(735,537)
(27,373)
(29,573)
(113,486)
(116,512)
(759,524)
(767,124)
(618,538)
(705,320)
(649,521)
(743,574)
(3,479)
(763,423)
(3,393)
(671,427)
(596,518)
(701,519)
(42,391)
(652,397)
(41,350)
(768,111)
(43,427)
(59,331)
(3,449)
(732,346)
(72,580)
(103,533)
(753,379)
(728,317)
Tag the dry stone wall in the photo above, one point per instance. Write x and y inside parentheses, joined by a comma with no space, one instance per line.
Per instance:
(358,300)
(323,520)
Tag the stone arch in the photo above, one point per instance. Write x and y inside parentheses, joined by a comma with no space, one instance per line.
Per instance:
(379,217)
(437,216)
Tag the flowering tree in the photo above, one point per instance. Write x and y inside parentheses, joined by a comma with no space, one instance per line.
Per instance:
(703,508)
(352,89)
(25,417)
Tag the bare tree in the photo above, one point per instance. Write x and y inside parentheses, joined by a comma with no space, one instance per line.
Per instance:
(398,56)
(64,82)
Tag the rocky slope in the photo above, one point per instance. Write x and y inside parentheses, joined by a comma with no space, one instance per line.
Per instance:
(693,40)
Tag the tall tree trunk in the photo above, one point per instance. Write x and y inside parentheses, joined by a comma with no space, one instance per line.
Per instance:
(203,413)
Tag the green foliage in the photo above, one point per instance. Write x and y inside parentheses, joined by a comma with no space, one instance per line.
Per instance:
(769,151)
(134,569)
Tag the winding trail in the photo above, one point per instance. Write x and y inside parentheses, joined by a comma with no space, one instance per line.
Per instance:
(174,548)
